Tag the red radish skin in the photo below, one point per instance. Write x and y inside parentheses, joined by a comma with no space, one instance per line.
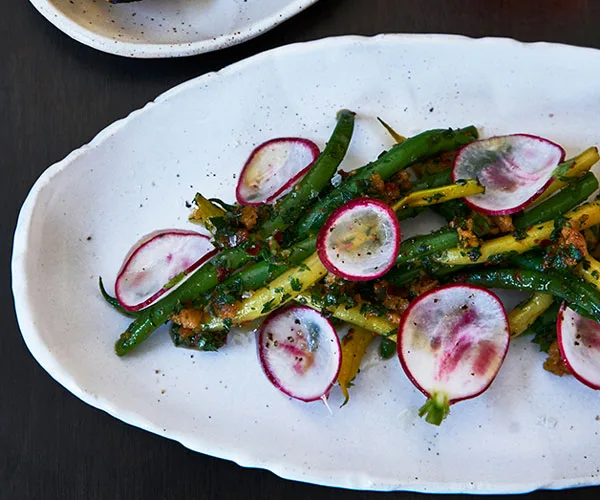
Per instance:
(579,345)
(514,169)
(375,255)
(156,260)
(451,343)
(301,366)
(273,168)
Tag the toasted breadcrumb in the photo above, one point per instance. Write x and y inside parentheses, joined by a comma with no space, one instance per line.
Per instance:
(503,222)
(466,236)
(568,250)
(228,310)
(423,285)
(554,363)
(330,279)
(570,236)
(249,217)
(396,303)
(377,183)
(403,180)
(188,317)
(392,192)
(186,333)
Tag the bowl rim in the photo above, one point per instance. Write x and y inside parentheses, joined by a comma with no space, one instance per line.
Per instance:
(110,45)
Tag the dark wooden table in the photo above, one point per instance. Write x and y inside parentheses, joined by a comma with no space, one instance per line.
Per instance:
(55,95)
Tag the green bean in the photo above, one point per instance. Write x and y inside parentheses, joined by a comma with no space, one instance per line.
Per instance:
(354,315)
(534,261)
(400,276)
(581,296)
(567,199)
(113,301)
(428,244)
(260,273)
(289,208)
(409,213)
(209,275)
(527,311)
(406,273)
(452,209)
(400,156)
(438,179)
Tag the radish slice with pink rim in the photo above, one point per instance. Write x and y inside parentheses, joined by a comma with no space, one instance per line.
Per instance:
(273,168)
(579,344)
(157,263)
(513,169)
(300,352)
(451,344)
(360,240)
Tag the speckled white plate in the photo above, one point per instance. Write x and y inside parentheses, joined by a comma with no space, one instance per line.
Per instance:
(166,28)
(530,430)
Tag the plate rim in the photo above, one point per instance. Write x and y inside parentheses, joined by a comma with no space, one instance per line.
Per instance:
(109,45)
(239,456)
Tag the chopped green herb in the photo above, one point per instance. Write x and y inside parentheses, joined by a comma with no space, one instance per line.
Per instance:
(295,284)
(474,254)
(520,234)
(560,222)
(369,308)
(268,306)
(206,341)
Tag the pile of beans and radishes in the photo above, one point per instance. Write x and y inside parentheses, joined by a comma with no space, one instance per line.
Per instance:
(309,250)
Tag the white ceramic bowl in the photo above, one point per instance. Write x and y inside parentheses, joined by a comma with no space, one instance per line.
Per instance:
(166,28)
(531,429)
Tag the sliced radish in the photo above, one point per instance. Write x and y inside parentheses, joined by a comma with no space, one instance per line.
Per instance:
(157,263)
(300,352)
(273,168)
(514,169)
(579,344)
(360,240)
(451,344)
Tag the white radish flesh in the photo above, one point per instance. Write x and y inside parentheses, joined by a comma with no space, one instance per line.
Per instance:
(579,344)
(273,168)
(300,352)
(157,263)
(451,344)
(514,169)
(360,240)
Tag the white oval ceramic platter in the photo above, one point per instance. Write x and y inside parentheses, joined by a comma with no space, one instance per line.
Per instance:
(530,430)
(166,28)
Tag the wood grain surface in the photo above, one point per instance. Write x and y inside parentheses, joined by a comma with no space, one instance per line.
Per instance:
(55,95)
